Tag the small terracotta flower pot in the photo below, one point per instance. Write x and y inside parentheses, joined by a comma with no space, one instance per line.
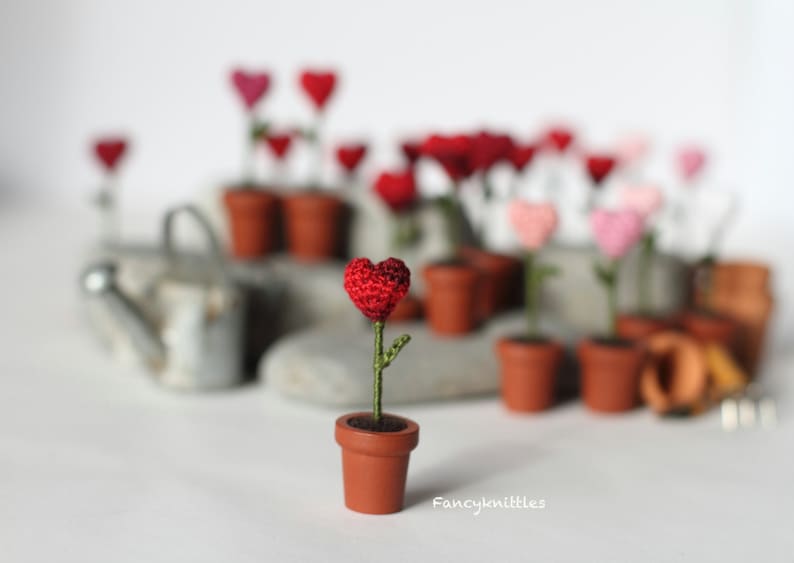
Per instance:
(375,464)
(710,327)
(451,298)
(314,225)
(610,372)
(639,327)
(500,283)
(675,374)
(529,372)
(409,308)
(253,221)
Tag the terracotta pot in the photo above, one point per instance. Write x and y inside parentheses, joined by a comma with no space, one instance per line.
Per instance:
(500,283)
(610,372)
(253,221)
(639,327)
(529,373)
(709,327)
(675,374)
(451,298)
(314,225)
(409,308)
(375,464)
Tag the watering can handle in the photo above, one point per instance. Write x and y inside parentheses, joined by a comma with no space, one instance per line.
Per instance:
(214,246)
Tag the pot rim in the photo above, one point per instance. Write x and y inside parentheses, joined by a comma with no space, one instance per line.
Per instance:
(369,442)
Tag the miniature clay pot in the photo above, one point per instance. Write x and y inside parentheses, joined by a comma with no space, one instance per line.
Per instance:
(609,371)
(451,297)
(708,327)
(500,282)
(675,373)
(409,308)
(253,221)
(314,225)
(529,372)
(375,464)
(639,327)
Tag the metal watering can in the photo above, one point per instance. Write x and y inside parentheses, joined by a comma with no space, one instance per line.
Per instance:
(188,327)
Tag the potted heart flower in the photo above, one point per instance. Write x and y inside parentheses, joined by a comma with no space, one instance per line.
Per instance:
(252,210)
(530,362)
(599,167)
(398,192)
(376,446)
(610,366)
(109,151)
(451,284)
(646,201)
(314,218)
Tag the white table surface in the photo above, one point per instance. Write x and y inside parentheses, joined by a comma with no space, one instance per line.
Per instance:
(99,464)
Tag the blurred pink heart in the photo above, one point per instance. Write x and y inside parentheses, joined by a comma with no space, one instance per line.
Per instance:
(645,200)
(534,223)
(691,161)
(632,148)
(251,86)
(616,231)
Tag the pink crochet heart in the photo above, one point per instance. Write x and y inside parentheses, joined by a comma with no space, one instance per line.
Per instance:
(632,148)
(645,200)
(251,86)
(534,223)
(691,161)
(616,231)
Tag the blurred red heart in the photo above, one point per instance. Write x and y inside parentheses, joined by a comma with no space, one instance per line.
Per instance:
(411,151)
(251,86)
(521,156)
(279,144)
(599,166)
(397,189)
(350,156)
(318,86)
(453,153)
(376,288)
(109,151)
(559,138)
(489,148)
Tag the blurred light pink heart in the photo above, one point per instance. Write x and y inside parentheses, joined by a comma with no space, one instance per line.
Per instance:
(691,161)
(645,200)
(616,231)
(251,86)
(534,223)
(631,148)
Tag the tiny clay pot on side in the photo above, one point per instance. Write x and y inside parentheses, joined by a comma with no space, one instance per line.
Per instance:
(639,327)
(528,373)
(500,282)
(609,372)
(253,221)
(711,328)
(375,464)
(314,225)
(409,308)
(675,373)
(451,291)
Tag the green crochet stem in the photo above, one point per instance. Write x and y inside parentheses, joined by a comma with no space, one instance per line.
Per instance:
(644,277)
(534,275)
(381,360)
(607,274)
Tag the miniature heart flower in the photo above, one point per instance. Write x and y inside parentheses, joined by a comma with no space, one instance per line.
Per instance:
(318,86)
(376,288)
(644,200)
(397,190)
(534,223)
(616,231)
(350,156)
(489,148)
(109,151)
(279,144)
(558,138)
(691,161)
(631,148)
(251,86)
(411,151)
(453,153)
(521,156)
(599,166)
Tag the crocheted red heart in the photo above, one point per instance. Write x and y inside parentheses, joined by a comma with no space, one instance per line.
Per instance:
(318,86)
(599,166)
(109,151)
(350,156)
(377,288)
(279,144)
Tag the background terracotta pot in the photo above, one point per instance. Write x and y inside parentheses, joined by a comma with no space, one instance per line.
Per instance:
(639,327)
(375,464)
(708,327)
(451,298)
(409,308)
(314,223)
(500,282)
(253,221)
(529,373)
(675,372)
(610,374)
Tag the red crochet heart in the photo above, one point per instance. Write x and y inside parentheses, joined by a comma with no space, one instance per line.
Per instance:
(377,288)
(521,156)
(411,150)
(279,144)
(350,156)
(318,86)
(397,190)
(559,138)
(109,151)
(599,166)
(488,148)
(453,153)
(251,86)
